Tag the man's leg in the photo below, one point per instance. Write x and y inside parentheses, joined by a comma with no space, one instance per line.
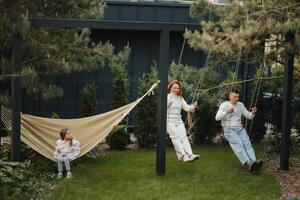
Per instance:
(237,145)
(249,149)
(247,144)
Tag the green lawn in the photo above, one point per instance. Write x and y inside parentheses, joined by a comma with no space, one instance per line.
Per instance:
(131,175)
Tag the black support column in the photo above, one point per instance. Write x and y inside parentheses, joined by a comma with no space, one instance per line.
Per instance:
(163,66)
(287,101)
(16,98)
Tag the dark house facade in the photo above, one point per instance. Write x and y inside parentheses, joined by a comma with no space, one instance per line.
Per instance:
(144,44)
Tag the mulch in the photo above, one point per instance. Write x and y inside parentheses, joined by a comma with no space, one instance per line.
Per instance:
(289,180)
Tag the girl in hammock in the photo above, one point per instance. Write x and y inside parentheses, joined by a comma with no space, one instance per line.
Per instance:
(66,150)
(175,125)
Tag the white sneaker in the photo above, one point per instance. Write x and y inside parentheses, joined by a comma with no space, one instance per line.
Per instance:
(59,175)
(194,157)
(69,175)
(185,158)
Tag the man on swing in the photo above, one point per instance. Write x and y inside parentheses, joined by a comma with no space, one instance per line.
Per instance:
(230,113)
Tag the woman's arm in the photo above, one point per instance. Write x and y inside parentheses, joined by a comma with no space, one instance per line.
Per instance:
(189,108)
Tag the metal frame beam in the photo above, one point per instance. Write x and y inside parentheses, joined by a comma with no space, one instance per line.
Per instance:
(111,24)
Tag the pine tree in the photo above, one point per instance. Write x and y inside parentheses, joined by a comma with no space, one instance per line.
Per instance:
(88,100)
(146,128)
(247,26)
(50,52)
(257,29)
(120,90)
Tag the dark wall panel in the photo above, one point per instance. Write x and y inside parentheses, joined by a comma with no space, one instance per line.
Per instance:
(113,13)
(146,14)
(128,13)
(181,15)
(145,51)
(164,14)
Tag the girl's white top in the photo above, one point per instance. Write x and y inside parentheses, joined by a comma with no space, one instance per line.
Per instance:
(174,111)
(232,119)
(66,150)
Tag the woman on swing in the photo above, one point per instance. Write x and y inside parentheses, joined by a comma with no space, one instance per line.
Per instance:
(175,125)
(230,113)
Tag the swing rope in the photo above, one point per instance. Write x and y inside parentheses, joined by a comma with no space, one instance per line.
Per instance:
(181,52)
(235,76)
(258,85)
(189,118)
(256,92)
(236,69)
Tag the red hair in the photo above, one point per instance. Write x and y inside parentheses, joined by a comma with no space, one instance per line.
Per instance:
(172,83)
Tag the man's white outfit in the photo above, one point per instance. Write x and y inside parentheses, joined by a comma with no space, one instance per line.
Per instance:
(234,131)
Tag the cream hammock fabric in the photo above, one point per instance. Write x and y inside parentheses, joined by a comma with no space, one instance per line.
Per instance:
(41,133)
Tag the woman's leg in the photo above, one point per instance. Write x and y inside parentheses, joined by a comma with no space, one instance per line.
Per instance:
(184,140)
(172,130)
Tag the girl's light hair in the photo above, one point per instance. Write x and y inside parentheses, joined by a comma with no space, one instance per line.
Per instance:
(63,133)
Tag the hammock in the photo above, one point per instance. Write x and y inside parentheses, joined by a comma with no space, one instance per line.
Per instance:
(41,133)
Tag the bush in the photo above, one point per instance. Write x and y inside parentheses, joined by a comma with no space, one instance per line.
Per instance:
(258,129)
(120,90)
(296,122)
(118,138)
(54,115)
(88,100)
(276,113)
(13,180)
(273,142)
(146,129)
(205,125)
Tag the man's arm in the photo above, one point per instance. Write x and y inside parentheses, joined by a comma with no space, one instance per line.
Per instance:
(221,112)
(248,114)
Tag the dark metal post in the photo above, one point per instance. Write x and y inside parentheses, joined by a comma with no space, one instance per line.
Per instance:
(287,101)
(163,66)
(16,98)
(1,126)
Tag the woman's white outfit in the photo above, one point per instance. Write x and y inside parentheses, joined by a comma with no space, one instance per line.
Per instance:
(176,128)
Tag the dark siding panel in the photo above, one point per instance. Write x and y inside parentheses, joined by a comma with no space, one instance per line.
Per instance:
(163,14)
(145,50)
(112,13)
(128,13)
(181,15)
(146,14)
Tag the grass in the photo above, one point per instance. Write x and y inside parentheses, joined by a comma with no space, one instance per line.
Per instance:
(131,175)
